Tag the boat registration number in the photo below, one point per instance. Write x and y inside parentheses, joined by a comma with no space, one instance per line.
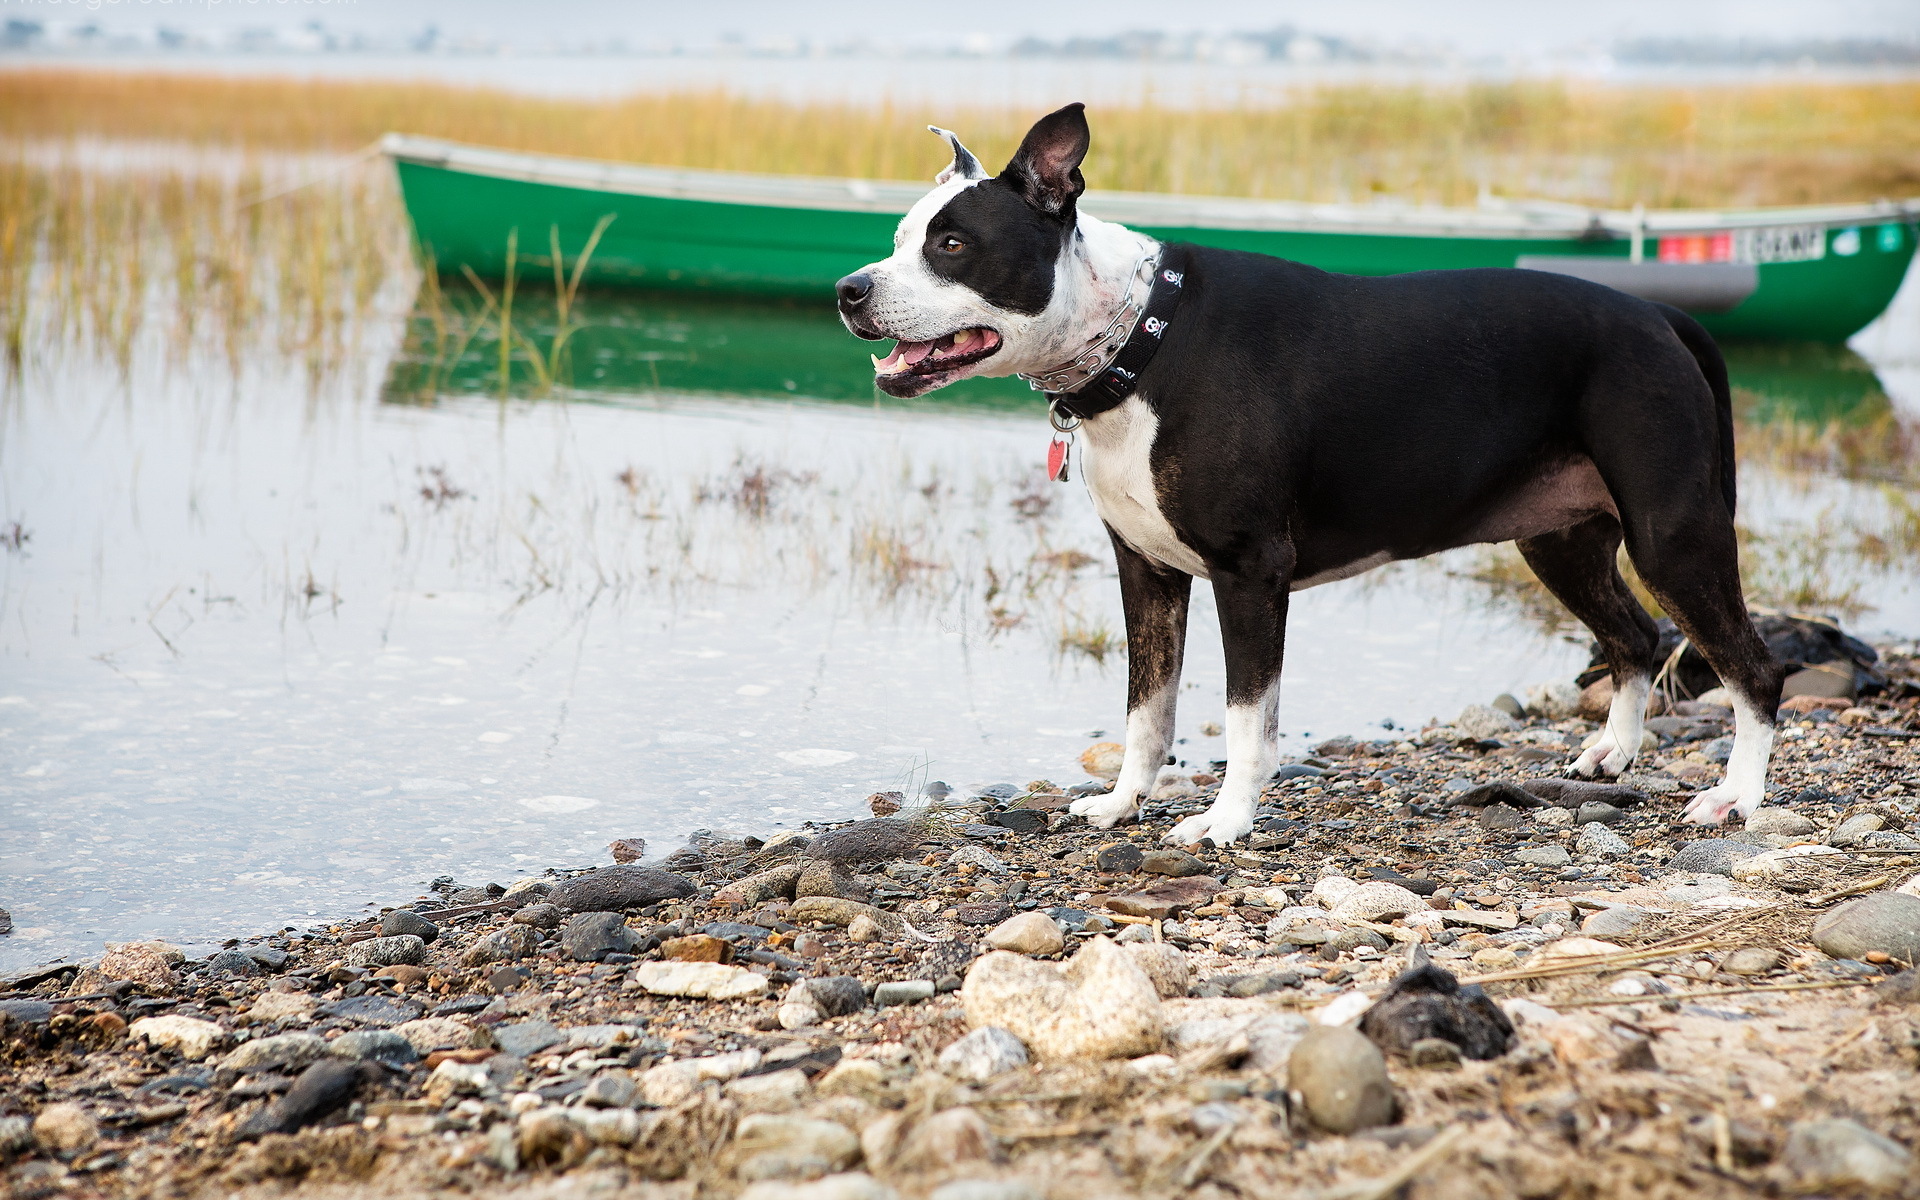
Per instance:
(1781,243)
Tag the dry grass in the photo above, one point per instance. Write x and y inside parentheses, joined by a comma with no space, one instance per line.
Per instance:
(1664,146)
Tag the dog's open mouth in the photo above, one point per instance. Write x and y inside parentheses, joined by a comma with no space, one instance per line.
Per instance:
(960,348)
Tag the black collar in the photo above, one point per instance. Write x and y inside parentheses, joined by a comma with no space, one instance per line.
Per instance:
(1111,387)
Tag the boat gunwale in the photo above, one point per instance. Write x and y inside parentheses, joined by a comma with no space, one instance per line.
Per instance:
(1525,220)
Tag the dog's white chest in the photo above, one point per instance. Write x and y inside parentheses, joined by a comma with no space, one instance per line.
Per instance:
(1116,458)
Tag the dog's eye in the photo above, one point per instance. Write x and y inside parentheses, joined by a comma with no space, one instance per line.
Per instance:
(952,245)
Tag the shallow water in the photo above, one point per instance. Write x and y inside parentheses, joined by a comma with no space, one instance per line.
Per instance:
(273,651)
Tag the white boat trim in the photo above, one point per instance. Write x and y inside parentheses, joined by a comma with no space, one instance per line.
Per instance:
(1545,220)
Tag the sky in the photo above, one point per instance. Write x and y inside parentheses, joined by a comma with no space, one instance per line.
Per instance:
(1474,27)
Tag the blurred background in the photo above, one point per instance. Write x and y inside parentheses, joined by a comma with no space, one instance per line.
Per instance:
(335,557)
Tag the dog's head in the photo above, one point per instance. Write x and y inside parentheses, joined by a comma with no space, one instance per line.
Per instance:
(972,285)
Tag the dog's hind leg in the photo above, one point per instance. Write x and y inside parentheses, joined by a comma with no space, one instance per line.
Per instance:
(1577,565)
(1253,627)
(1154,599)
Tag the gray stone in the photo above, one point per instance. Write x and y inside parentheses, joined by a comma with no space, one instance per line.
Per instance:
(610,1089)
(1782,821)
(321,1089)
(590,937)
(1711,856)
(1887,922)
(1719,750)
(1500,791)
(1353,939)
(783,1146)
(616,889)
(983,1054)
(1028,933)
(1851,831)
(874,840)
(1341,1079)
(27,1012)
(1122,857)
(65,1129)
(403,950)
(233,963)
(1598,839)
(502,945)
(830,877)
(832,910)
(1752,960)
(1841,1156)
(541,916)
(1572,793)
(903,991)
(1903,988)
(1168,861)
(524,1038)
(1549,855)
(381,1012)
(838,995)
(405,920)
(282,1052)
(1598,812)
(1483,722)
(374,1045)
(1615,921)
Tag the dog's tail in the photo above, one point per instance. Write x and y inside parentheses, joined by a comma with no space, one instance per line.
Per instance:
(1706,354)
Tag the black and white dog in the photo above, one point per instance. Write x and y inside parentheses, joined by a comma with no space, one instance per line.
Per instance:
(1290,427)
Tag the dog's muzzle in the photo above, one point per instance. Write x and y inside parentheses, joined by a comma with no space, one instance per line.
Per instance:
(853,291)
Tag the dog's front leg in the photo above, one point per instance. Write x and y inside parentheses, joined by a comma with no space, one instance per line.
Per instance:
(1253,628)
(1154,599)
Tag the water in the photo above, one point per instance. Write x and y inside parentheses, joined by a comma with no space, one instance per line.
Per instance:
(277,648)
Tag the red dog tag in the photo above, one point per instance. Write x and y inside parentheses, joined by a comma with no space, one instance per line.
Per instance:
(1057,461)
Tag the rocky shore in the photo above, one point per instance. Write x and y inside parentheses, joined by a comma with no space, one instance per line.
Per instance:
(1435,964)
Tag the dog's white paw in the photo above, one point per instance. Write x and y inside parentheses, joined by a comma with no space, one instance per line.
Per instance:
(1717,803)
(1601,758)
(1223,824)
(1106,811)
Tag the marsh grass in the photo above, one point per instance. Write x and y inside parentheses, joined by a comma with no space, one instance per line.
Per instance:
(1769,143)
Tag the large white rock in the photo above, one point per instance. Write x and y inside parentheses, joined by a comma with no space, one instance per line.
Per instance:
(699,980)
(1378,902)
(1164,964)
(1100,1006)
(295,1008)
(428,1034)
(1332,889)
(286,1051)
(192,1037)
(983,1054)
(1028,933)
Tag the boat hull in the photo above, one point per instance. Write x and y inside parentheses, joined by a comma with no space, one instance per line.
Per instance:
(462,219)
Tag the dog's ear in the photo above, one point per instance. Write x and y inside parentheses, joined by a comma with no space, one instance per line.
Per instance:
(965,165)
(1046,168)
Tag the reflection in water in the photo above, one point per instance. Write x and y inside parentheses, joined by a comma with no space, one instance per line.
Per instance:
(1810,383)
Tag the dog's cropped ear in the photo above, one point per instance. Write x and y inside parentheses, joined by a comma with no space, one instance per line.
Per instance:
(965,165)
(1046,168)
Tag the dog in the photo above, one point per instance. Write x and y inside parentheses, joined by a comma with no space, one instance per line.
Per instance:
(1282,427)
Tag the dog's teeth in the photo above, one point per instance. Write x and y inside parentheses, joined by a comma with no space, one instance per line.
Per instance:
(879,363)
(963,337)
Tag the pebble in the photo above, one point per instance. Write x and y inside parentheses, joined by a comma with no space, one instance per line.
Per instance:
(144,963)
(405,920)
(1783,821)
(1711,856)
(591,936)
(1101,1006)
(511,944)
(832,910)
(865,929)
(1482,795)
(1330,890)
(850,1185)
(379,1011)
(874,840)
(711,981)
(1171,862)
(387,951)
(985,1189)
(233,964)
(610,1089)
(65,1129)
(1164,964)
(428,1034)
(1598,839)
(773,883)
(1168,899)
(835,995)
(1771,864)
(190,1036)
(615,889)
(1885,922)
(980,857)
(1598,812)
(16,1134)
(290,1007)
(525,890)
(1341,1079)
(1428,1002)
(375,1045)
(830,877)
(1020,820)
(697,947)
(1483,722)
(775,1091)
(1550,855)
(541,916)
(1842,1156)
(1555,818)
(1752,960)
(282,1052)
(525,1038)
(1028,933)
(628,850)
(769,1146)
(1615,920)
(985,1053)
(1378,902)
(903,991)
(321,1089)
(952,1138)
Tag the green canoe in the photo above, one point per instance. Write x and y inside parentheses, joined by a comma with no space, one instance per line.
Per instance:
(1801,274)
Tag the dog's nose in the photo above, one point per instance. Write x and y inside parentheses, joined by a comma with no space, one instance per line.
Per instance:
(854,289)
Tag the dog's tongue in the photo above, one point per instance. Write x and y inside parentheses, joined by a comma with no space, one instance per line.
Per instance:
(912,352)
